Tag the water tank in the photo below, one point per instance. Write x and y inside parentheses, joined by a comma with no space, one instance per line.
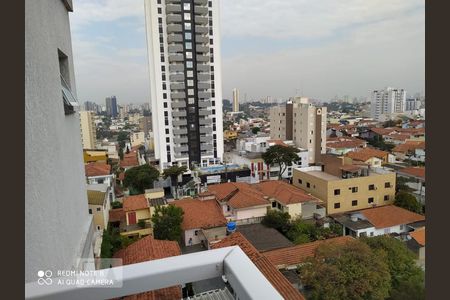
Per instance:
(231,227)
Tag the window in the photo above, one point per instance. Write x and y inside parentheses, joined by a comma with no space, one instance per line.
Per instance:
(386,197)
(159,1)
(371,187)
(187,16)
(274,204)
(188,45)
(308,185)
(354,202)
(300,181)
(167,130)
(99,208)
(354,189)
(402,227)
(164,86)
(69,100)
(387,230)
(190,82)
(191,101)
(337,205)
(190,73)
(337,192)
(159,10)
(162,58)
(167,140)
(187,35)
(387,184)
(210,13)
(190,92)
(370,200)
(278,205)
(186,6)
(165,97)
(163,68)
(211,41)
(196,232)
(209,3)
(189,64)
(90,211)
(371,233)
(189,55)
(168,147)
(187,26)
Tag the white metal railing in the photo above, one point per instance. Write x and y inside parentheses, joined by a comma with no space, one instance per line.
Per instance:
(243,276)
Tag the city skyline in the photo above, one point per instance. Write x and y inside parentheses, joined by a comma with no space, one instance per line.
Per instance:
(339,46)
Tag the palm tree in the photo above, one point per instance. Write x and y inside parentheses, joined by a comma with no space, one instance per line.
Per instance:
(173,172)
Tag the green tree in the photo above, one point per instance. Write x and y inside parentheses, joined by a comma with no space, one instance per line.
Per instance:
(278,220)
(255,130)
(167,222)
(402,267)
(408,201)
(347,271)
(283,156)
(140,178)
(116,204)
(121,153)
(174,172)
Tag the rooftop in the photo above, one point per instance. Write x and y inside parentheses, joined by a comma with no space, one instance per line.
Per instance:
(418,172)
(97,169)
(202,214)
(390,215)
(116,215)
(263,238)
(96,197)
(366,154)
(284,192)
(238,194)
(136,202)
(419,236)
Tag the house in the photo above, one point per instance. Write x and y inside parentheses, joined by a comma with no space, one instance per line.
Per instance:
(99,207)
(130,160)
(137,217)
(416,243)
(273,275)
(388,219)
(203,221)
(371,156)
(291,199)
(414,150)
(147,249)
(263,238)
(240,202)
(137,138)
(95,155)
(116,217)
(342,145)
(415,177)
(98,173)
(345,186)
(291,257)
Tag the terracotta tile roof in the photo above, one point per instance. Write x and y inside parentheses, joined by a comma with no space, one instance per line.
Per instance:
(238,194)
(345,142)
(116,215)
(97,169)
(419,236)
(383,131)
(200,214)
(297,254)
(147,249)
(130,159)
(390,215)
(413,171)
(284,192)
(277,142)
(136,202)
(366,154)
(96,197)
(409,146)
(279,282)
(399,136)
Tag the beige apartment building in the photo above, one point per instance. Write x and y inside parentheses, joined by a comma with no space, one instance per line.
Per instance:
(344,186)
(303,123)
(88,134)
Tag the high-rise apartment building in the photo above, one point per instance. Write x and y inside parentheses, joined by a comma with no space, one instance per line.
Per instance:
(185,81)
(303,123)
(412,104)
(387,101)
(235,100)
(88,133)
(111,106)
(58,227)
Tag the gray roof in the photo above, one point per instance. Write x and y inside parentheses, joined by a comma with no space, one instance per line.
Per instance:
(263,238)
(346,221)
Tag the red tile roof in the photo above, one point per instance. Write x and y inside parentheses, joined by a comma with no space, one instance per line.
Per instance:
(130,159)
(279,282)
(383,131)
(345,142)
(297,254)
(136,202)
(409,146)
(277,142)
(116,215)
(97,169)
(147,249)
(419,236)
(366,154)
(399,136)
(283,192)
(390,215)
(238,194)
(413,171)
(200,213)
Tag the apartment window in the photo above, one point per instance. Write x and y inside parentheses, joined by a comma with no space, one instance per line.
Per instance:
(167,130)
(167,140)
(166,122)
(308,185)
(159,1)
(371,233)
(164,86)
(190,82)
(187,26)
(166,114)
(386,197)
(160,20)
(370,200)
(300,181)
(189,55)
(209,3)
(188,45)
(213,103)
(371,187)
(354,202)
(211,41)
(337,192)
(165,96)
(90,211)
(163,68)
(210,13)
(187,35)
(190,73)
(191,101)
(187,16)
(354,189)
(191,92)
(99,208)
(189,64)
(337,205)
(69,100)
(387,184)
(168,147)
(274,204)
(212,68)
(100,181)
(159,10)
(162,58)
(163,76)
(186,6)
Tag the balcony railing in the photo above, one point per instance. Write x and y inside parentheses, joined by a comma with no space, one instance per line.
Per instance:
(244,277)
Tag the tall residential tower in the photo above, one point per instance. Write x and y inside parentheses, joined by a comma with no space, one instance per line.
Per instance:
(388,101)
(111,106)
(183,39)
(235,100)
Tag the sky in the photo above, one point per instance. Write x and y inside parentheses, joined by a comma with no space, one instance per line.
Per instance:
(318,49)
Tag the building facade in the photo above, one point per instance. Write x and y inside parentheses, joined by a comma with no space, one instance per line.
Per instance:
(387,101)
(88,133)
(186,86)
(235,100)
(58,228)
(111,106)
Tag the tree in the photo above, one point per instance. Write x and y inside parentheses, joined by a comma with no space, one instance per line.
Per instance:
(173,172)
(408,201)
(116,204)
(121,153)
(255,130)
(140,178)
(128,150)
(403,270)
(167,222)
(283,156)
(278,220)
(346,271)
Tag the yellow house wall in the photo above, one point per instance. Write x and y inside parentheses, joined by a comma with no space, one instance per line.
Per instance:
(140,214)
(294,210)
(98,216)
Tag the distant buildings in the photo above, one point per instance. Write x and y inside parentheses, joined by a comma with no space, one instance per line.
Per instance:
(387,101)
(301,122)
(412,104)
(186,86)
(88,133)
(111,106)
(235,100)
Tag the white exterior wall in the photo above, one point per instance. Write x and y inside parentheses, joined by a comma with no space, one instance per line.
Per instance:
(387,101)
(58,227)
(196,239)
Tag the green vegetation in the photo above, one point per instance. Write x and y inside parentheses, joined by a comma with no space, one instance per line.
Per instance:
(167,223)
(278,220)
(116,204)
(112,242)
(408,201)
(379,143)
(141,223)
(280,155)
(347,271)
(173,172)
(138,179)
(255,130)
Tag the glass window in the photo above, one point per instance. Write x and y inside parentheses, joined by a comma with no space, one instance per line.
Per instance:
(371,187)
(189,64)
(186,6)
(370,200)
(308,185)
(187,16)
(337,205)
(190,82)
(354,202)
(189,55)
(188,45)
(187,26)
(190,73)
(188,35)
(190,92)
(337,191)
(191,101)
